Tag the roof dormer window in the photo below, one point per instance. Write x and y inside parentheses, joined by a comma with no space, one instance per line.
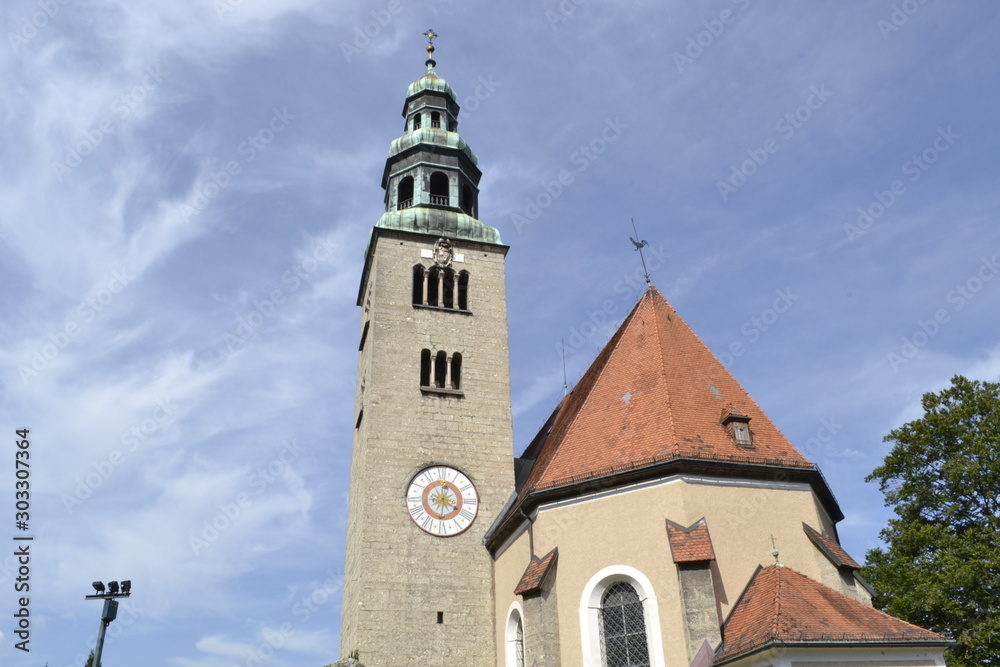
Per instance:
(738,425)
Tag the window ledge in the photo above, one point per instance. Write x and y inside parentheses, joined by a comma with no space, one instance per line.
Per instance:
(442,391)
(442,309)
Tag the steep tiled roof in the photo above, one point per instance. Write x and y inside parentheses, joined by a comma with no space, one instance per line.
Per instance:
(830,548)
(655,393)
(531,580)
(781,607)
(690,545)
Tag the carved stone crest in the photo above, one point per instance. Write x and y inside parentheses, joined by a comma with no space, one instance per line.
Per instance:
(443,253)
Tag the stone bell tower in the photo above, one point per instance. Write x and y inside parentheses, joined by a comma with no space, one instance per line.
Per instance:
(432,458)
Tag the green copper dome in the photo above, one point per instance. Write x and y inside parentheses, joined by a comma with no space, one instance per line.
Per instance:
(431,82)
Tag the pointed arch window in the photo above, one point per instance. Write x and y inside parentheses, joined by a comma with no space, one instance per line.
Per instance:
(439,188)
(623,628)
(404,193)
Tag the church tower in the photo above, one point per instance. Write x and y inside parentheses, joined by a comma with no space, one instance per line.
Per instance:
(432,462)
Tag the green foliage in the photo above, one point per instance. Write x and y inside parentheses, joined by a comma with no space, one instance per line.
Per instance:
(941,566)
(90,660)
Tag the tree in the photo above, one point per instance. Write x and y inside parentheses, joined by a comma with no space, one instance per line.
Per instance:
(940,568)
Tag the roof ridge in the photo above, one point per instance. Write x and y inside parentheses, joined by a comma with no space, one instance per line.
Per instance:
(776,623)
(663,369)
(613,343)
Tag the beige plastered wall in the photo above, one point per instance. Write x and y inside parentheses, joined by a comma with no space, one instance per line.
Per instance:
(627,527)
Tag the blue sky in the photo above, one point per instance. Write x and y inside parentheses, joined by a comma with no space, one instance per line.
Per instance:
(186,190)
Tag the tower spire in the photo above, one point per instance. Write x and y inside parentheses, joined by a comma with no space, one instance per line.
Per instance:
(430,35)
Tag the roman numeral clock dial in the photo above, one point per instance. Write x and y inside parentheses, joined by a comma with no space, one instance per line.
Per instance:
(442,501)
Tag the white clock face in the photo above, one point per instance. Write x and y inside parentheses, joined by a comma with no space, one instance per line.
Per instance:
(442,501)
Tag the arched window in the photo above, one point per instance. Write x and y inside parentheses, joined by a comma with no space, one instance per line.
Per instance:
(468,201)
(435,119)
(425,368)
(418,285)
(404,194)
(456,371)
(515,637)
(448,289)
(623,628)
(619,619)
(433,278)
(439,188)
(463,290)
(416,121)
(440,369)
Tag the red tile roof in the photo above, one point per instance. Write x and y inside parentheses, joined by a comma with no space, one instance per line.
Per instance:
(531,580)
(830,548)
(654,393)
(782,606)
(690,545)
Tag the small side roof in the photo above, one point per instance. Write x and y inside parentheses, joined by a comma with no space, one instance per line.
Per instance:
(692,544)
(783,607)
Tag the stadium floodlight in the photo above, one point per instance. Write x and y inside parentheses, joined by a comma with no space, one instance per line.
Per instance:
(110,611)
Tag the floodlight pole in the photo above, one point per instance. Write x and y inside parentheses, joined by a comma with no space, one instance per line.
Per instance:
(109,613)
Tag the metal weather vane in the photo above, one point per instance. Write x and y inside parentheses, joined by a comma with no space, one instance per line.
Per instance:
(639,246)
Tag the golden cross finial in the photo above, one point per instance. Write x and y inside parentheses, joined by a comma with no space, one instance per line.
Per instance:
(430,35)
